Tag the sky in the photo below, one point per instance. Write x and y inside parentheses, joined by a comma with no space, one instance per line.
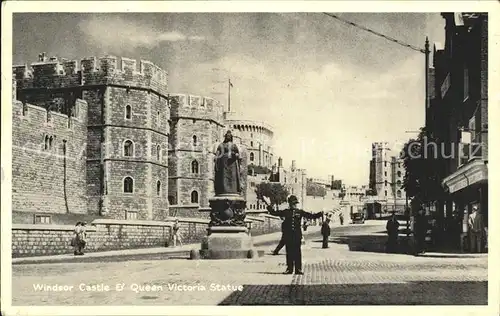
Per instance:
(328,89)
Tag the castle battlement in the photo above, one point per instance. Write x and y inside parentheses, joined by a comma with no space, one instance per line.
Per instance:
(45,117)
(195,106)
(58,73)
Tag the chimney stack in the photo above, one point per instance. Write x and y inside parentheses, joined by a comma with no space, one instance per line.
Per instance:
(280,162)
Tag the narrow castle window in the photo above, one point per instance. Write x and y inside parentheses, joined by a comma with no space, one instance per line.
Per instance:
(399,193)
(46,142)
(158,152)
(158,118)
(51,139)
(128,185)
(128,148)
(195,141)
(158,188)
(194,167)
(399,183)
(194,197)
(128,112)
(385,182)
(252,157)
(251,144)
(385,192)
(399,173)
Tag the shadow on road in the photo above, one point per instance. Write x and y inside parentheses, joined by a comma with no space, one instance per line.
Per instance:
(410,293)
(370,243)
(376,243)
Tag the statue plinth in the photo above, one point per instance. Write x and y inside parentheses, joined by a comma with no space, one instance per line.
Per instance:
(227,210)
(228,236)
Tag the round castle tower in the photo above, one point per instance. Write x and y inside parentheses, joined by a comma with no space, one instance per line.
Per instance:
(257,137)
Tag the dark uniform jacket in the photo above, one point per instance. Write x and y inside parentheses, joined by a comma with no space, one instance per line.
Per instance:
(292,220)
(325,229)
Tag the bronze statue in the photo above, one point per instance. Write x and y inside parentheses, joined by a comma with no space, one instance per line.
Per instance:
(228,167)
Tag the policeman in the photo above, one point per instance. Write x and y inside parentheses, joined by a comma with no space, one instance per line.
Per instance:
(292,231)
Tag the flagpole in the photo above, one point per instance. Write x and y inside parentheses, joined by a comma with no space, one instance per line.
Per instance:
(229,95)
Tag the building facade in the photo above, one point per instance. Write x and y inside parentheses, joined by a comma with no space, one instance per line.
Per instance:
(293,178)
(459,112)
(386,177)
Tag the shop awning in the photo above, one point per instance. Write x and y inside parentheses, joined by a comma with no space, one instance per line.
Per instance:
(474,172)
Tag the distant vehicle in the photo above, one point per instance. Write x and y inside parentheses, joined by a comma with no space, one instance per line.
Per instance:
(358,218)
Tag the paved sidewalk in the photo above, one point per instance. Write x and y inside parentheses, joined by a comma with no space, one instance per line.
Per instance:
(147,253)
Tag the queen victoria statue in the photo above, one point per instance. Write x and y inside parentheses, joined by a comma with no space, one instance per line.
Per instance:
(228,205)
(228,167)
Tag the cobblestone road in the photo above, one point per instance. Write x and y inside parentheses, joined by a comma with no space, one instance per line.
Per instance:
(332,276)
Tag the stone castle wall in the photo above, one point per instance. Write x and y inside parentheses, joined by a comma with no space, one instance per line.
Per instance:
(109,234)
(48,159)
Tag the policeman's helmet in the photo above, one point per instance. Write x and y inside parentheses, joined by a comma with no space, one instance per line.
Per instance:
(292,199)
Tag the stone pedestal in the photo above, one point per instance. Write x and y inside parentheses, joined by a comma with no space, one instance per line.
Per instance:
(228,236)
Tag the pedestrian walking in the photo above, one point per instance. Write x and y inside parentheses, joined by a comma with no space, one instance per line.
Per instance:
(476,229)
(420,231)
(292,231)
(306,224)
(392,228)
(325,232)
(80,238)
(281,244)
(176,234)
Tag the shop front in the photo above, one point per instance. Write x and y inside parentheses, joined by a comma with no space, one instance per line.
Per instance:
(467,187)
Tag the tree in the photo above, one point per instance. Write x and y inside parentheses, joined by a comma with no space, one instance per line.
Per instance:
(275,191)
(314,189)
(423,168)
